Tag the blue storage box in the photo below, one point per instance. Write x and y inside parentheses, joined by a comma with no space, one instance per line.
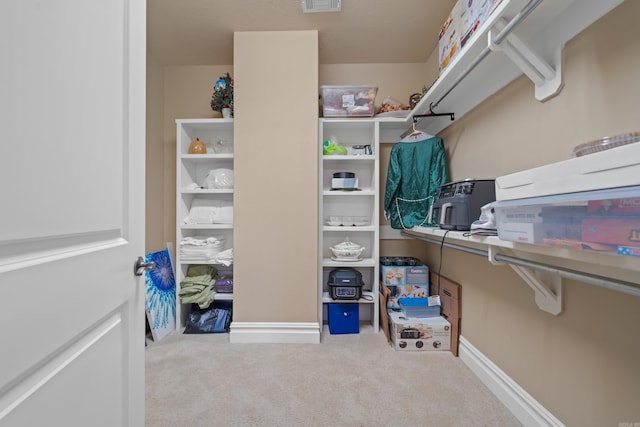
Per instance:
(344,319)
(419,307)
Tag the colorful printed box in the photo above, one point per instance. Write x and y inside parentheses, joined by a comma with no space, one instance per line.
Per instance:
(405,275)
(419,334)
(624,231)
(614,206)
(629,251)
(405,291)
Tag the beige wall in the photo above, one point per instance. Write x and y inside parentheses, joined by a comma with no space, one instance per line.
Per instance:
(276,177)
(154,185)
(581,365)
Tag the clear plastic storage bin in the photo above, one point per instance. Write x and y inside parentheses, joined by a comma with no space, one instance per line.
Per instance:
(601,220)
(348,101)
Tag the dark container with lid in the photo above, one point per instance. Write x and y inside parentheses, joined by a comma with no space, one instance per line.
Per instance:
(344,175)
(345,284)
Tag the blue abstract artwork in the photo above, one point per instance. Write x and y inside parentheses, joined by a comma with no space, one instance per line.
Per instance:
(160,290)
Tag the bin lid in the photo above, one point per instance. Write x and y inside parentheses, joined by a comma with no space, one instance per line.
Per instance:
(418,302)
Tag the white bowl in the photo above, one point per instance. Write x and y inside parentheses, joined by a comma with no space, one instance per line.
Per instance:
(347,253)
(347,249)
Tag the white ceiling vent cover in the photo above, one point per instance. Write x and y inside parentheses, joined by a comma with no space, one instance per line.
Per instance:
(309,6)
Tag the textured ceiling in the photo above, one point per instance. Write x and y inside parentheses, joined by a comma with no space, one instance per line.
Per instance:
(200,32)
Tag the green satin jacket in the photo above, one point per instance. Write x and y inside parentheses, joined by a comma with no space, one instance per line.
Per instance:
(415,174)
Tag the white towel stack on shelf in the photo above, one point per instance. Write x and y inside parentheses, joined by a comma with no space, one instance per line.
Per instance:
(200,248)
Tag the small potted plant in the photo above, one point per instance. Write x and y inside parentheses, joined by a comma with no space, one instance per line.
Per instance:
(222,98)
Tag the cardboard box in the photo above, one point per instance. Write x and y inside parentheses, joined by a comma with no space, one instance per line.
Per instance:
(621,230)
(404,291)
(475,14)
(462,23)
(383,296)
(614,206)
(392,275)
(507,212)
(419,334)
(537,232)
(628,250)
(449,38)
(450,297)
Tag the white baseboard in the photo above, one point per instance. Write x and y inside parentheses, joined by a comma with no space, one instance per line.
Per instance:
(274,333)
(523,406)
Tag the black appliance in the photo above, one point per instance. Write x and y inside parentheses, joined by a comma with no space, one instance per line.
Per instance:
(459,203)
(345,284)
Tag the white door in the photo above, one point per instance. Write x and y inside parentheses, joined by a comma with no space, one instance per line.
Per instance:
(72,128)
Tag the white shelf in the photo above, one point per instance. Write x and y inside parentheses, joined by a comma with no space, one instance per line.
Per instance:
(349,157)
(206,226)
(206,157)
(364,262)
(199,125)
(349,228)
(593,261)
(206,191)
(602,170)
(360,193)
(326,299)
(540,39)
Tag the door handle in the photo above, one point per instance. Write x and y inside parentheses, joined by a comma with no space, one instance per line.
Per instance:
(140,266)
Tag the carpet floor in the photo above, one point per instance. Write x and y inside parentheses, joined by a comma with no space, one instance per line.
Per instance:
(346,380)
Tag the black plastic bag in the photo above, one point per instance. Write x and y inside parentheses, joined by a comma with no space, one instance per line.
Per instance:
(212,320)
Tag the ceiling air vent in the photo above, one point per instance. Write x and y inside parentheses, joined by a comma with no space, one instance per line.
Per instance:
(309,6)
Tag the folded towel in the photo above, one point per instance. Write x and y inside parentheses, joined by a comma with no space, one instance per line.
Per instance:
(203,299)
(208,211)
(225,257)
(201,270)
(201,241)
(198,288)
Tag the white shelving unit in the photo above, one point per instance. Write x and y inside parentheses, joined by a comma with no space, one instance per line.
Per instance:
(363,203)
(217,134)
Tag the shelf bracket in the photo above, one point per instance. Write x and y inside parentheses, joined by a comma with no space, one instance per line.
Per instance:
(547,287)
(546,77)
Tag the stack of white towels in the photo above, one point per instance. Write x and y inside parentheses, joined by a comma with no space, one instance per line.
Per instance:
(205,249)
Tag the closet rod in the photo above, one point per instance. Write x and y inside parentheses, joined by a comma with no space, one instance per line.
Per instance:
(497,40)
(591,279)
